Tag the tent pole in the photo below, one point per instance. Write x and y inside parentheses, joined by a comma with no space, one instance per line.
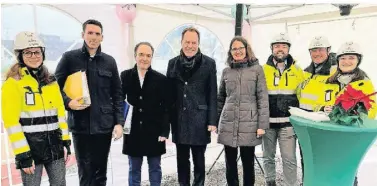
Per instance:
(239,18)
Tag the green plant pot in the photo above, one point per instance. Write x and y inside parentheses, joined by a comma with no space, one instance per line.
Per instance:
(332,153)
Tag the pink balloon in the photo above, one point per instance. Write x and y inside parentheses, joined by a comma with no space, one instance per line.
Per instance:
(126,13)
(246,28)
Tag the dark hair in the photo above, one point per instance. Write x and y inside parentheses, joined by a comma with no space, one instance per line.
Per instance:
(359,75)
(143,43)
(92,22)
(191,29)
(249,52)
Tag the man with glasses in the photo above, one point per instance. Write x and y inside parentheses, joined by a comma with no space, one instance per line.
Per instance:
(283,76)
(193,117)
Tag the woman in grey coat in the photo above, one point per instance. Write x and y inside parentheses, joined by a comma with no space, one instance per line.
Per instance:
(242,109)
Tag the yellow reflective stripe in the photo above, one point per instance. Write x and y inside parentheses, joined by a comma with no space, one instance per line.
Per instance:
(21,150)
(309,96)
(14,129)
(39,113)
(65,137)
(16,136)
(62,120)
(306,106)
(40,128)
(279,120)
(19,144)
(63,125)
(284,92)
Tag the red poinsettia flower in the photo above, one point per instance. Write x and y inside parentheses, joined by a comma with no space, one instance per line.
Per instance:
(351,97)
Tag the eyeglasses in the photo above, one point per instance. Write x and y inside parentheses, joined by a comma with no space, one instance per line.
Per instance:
(237,49)
(29,54)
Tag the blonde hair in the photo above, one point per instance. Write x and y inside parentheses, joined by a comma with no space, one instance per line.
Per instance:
(14,72)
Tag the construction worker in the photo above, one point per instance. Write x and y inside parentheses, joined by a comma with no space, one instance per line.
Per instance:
(310,91)
(348,72)
(34,115)
(316,74)
(283,76)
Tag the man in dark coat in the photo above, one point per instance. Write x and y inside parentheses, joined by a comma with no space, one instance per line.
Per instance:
(92,126)
(192,76)
(147,91)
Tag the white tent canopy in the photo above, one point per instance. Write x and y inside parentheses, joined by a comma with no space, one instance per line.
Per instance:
(155,22)
(268,14)
(301,21)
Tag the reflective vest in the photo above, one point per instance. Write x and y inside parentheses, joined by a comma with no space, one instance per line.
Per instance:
(310,91)
(34,118)
(364,85)
(282,89)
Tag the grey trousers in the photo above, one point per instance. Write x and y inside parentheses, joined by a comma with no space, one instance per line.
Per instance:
(55,171)
(287,144)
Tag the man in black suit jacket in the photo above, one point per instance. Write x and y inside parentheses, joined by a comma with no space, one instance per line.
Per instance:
(193,117)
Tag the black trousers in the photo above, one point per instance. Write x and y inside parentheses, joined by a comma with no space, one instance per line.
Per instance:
(183,164)
(247,158)
(92,152)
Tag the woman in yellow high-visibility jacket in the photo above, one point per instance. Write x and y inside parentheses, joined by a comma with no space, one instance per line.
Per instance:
(348,72)
(34,115)
(349,58)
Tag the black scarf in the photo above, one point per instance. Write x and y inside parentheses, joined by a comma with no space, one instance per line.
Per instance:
(320,69)
(189,62)
(240,64)
(189,65)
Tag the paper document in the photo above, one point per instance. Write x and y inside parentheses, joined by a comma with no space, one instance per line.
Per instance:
(314,116)
(127,117)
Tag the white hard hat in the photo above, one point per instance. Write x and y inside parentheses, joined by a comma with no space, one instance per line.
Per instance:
(319,42)
(27,40)
(349,47)
(281,38)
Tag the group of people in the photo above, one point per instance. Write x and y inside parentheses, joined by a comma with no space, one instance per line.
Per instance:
(248,108)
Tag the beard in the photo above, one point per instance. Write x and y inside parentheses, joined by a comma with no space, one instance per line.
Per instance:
(280,59)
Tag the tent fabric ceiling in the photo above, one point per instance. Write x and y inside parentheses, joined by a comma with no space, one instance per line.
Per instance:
(269,14)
